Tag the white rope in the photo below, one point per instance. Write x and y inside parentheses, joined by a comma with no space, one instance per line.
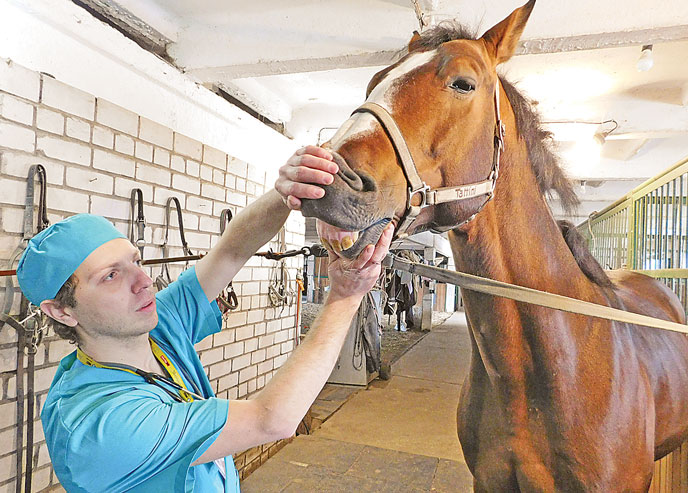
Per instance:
(532,296)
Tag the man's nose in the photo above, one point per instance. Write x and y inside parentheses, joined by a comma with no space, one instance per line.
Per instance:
(142,280)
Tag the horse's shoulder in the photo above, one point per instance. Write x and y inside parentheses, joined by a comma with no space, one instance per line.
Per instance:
(644,294)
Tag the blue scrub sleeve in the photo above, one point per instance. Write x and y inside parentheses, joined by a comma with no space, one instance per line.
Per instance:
(140,437)
(184,304)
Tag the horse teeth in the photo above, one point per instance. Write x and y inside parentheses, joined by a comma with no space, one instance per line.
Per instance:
(326,243)
(347,242)
(336,246)
(355,236)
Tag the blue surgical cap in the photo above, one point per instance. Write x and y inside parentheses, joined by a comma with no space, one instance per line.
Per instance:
(53,255)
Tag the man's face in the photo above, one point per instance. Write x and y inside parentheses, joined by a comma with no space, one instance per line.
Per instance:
(113,294)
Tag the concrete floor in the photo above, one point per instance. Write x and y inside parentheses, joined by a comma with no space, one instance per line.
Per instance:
(397,435)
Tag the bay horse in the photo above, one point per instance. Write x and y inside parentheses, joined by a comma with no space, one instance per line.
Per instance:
(553,401)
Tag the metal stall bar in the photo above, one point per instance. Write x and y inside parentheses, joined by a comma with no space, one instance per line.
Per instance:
(647,230)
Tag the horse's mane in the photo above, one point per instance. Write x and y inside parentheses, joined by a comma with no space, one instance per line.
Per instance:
(550,177)
(579,248)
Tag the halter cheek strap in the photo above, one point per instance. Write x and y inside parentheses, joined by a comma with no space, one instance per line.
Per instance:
(416,185)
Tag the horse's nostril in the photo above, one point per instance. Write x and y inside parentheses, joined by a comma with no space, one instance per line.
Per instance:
(349,175)
(367,183)
(358,182)
(355,180)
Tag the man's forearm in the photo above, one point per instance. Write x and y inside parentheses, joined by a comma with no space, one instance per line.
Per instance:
(292,390)
(252,228)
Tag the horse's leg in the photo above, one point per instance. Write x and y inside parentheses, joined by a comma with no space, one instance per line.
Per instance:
(480,430)
(477,488)
(468,415)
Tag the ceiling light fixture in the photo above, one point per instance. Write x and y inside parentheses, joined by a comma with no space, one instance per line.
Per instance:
(601,137)
(577,130)
(645,61)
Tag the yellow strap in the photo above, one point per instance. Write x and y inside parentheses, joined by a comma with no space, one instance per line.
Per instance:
(159,355)
(170,369)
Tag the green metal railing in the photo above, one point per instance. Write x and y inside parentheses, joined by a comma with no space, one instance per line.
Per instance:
(647,230)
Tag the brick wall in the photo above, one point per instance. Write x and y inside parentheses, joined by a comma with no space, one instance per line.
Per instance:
(94,153)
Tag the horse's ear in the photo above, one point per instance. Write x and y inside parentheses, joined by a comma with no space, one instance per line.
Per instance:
(502,39)
(413,44)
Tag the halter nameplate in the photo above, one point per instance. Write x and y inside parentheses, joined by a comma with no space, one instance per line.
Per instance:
(416,185)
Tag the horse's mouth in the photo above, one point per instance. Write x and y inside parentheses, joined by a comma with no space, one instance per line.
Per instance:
(350,244)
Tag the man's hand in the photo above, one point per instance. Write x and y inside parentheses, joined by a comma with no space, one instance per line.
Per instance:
(356,277)
(299,178)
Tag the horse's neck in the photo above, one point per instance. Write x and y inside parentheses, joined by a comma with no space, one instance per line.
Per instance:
(515,239)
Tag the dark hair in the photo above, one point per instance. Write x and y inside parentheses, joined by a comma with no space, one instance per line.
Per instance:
(65,298)
(579,248)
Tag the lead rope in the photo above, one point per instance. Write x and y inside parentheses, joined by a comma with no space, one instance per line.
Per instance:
(529,295)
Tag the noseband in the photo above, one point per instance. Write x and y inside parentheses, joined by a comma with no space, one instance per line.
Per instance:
(433,196)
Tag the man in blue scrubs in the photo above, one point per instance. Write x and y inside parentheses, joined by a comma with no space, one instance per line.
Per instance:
(132,408)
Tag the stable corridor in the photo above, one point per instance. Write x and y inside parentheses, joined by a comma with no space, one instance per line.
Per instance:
(398,435)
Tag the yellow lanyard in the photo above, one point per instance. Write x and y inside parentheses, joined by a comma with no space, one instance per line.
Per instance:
(159,355)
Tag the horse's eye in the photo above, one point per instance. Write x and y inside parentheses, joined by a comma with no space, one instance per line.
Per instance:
(463,86)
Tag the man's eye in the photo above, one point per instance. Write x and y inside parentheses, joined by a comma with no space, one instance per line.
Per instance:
(138,262)
(110,276)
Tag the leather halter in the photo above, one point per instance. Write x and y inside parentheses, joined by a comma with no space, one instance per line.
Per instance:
(416,185)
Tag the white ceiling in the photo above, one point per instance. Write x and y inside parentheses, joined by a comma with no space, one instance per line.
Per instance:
(306,64)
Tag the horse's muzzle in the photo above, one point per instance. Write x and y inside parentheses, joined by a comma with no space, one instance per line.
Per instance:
(352,204)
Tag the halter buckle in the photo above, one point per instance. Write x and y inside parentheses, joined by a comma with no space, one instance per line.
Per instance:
(423,191)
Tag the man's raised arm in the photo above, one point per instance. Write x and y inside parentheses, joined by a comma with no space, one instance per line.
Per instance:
(261,220)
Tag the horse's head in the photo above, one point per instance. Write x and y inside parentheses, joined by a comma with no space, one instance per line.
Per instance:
(442,96)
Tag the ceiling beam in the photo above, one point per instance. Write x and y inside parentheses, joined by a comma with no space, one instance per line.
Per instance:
(603,40)
(648,134)
(295,66)
(263,67)
(117,17)
(260,99)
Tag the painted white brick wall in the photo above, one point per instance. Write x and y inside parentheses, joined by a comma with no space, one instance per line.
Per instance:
(114,163)
(16,110)
(20,81)
(67,98)
(64,150)
(103,137)
(155,133)
(78,129)
(17,137)
(117,118)
(94,153)
(188,147)
(50,120)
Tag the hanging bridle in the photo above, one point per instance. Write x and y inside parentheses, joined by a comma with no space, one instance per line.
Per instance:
(416,185)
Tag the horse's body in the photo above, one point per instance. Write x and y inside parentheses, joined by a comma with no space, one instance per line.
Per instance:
(561,402)
(554,401)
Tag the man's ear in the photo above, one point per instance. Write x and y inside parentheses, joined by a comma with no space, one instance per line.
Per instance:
(62,314)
